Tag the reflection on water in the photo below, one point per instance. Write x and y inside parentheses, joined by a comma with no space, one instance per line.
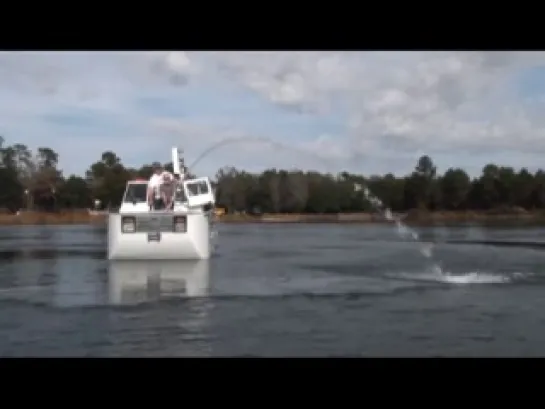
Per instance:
(66,267)
(184,327)
(133,282)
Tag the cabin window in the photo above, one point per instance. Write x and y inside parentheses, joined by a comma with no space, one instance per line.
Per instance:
(136,193)
(197,188)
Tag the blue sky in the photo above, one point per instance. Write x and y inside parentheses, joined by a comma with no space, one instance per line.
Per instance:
(367,112)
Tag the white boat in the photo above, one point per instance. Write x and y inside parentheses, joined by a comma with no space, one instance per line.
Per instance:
(132,282)
(183,233)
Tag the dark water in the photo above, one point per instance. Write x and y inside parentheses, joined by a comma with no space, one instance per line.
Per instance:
(272,290)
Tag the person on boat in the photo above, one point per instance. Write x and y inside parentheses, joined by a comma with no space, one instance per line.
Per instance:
(154,196)
(167,189)
(156,199)
(153,184)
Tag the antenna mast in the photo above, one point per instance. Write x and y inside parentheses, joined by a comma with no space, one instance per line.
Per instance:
(178,162)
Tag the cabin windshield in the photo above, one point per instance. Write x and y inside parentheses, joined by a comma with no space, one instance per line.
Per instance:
(136,192)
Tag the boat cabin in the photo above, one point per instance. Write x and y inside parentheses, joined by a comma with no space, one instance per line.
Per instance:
(188,194)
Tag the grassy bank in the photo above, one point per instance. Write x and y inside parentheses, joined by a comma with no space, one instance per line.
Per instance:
(411,218)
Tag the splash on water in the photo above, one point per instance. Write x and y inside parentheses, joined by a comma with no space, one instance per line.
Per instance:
(474,277)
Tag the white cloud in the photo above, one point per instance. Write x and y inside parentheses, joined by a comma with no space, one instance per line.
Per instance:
(387,104)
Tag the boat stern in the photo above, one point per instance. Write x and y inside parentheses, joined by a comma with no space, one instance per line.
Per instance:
(159,236)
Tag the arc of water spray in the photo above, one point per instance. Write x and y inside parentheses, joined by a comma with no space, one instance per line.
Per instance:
(228,141)
(402,229)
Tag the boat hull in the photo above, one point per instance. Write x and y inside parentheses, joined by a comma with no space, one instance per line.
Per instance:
(192,244)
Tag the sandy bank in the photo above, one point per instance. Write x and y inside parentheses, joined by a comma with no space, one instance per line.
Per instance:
(410,218)
(61,218)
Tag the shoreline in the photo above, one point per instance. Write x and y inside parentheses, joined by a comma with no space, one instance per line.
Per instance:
(83,217)
(410,218)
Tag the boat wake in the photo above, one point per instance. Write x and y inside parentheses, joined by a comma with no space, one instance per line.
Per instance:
(476,278)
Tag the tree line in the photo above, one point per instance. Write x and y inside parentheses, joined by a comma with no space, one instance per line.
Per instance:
(32,180)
